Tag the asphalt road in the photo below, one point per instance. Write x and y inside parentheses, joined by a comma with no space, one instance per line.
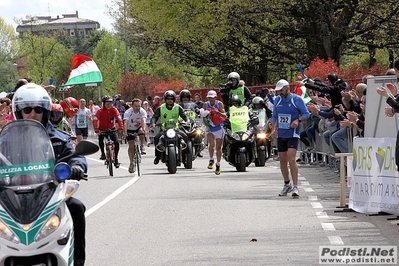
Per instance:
(195,217)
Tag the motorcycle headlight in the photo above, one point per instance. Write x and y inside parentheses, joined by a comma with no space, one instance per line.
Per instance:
(245,136)
(7,234)
(51,225)
(236,136)
(171,133)
(261,135)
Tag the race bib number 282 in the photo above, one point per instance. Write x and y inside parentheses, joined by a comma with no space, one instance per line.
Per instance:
(284,121)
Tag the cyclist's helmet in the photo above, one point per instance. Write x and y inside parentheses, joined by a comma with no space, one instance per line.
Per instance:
(235,99)
(233,75)
(170,93)
(257,100)
(30,95)
(185,94)
(106,99)
(56,113)
(70,106)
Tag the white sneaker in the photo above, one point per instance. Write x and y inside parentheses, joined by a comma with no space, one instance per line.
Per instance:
(142,148)
(132,167)
(286,189)
(295,191)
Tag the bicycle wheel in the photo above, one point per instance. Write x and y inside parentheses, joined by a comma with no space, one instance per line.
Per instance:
(110,165)
(137,158)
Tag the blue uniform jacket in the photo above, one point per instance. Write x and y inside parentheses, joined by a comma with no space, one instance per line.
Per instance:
(63,146)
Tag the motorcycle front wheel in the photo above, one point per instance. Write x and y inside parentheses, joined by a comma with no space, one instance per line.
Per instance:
(261,160)
(172,167)
(188,164)
(241,165)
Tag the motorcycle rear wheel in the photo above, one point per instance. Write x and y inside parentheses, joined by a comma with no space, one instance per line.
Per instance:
(172,166)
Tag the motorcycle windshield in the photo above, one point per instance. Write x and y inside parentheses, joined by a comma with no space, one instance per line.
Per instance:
(26,169)
(261,114)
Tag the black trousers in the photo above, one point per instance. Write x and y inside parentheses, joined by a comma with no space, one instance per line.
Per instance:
(77,210)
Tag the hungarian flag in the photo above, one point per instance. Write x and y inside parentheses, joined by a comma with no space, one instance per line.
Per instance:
(84,70)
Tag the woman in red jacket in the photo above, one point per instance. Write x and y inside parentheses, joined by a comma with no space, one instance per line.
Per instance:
(105,119)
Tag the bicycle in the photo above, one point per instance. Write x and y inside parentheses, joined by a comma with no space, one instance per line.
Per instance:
(109,150)
(137,151)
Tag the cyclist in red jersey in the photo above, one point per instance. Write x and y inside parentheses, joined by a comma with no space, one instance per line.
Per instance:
(105,119)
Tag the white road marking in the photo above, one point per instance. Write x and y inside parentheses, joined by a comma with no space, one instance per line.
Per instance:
(113,195)
(317,205)
(322,215)
(308,189)
(312,198)
(328,226)
(301,178)
(305,183)
(335,240)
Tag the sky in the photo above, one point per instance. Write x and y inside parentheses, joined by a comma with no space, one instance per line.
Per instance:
(87,9)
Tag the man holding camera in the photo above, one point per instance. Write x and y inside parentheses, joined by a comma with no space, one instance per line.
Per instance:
(233,88)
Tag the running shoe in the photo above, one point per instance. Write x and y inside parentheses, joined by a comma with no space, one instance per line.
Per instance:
(295,191)
(217,170)
(211,163)
(132,167)
(286,189)
(142,148)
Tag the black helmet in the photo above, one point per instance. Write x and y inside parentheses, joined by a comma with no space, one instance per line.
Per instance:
(107,98)
(235,99)
(169,93)
(185,94)
(233,75)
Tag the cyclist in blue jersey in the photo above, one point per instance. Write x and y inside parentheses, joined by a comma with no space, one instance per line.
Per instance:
(289,110)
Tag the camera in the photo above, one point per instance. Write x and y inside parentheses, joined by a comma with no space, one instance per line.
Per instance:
(224,87)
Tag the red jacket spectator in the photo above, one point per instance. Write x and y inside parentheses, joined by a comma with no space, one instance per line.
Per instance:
(106,119)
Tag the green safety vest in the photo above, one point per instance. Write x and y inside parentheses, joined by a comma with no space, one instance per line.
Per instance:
(239,91)
(261,115)
(238,119)
(171,118)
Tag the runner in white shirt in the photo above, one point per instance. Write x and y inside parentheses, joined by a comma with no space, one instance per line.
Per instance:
(81,121)
(135,122)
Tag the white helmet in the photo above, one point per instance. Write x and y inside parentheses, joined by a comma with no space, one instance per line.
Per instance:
(233,75)
(257,100)
(30,95)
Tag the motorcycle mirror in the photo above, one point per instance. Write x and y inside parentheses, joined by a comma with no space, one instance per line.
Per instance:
(84,147)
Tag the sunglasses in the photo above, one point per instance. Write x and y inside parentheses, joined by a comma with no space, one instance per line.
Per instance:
(28,110)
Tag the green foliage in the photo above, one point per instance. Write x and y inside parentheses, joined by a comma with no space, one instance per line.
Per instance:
(45,57)
(8,52)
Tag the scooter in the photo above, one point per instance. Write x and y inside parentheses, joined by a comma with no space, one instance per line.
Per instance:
(239,148)
(36,227)
(171,145)
(262,138)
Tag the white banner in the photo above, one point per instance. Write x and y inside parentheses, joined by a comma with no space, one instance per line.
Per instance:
(375,182)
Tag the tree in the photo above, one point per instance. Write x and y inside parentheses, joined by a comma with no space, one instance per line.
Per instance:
(264,41)
(46,58)
(8,53)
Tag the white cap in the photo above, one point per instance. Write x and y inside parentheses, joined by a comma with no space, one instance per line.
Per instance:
(211,94)
(145,102)
(280,84)
(3,94)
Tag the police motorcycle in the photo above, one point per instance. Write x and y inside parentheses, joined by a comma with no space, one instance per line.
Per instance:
(262,134)
(239,146)
(36,227)
(195,138)
(171,146)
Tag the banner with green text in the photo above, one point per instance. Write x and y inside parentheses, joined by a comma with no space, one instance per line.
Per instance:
(375,182)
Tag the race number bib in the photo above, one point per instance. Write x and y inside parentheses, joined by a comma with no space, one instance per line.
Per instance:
(284,121)
(82,121)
